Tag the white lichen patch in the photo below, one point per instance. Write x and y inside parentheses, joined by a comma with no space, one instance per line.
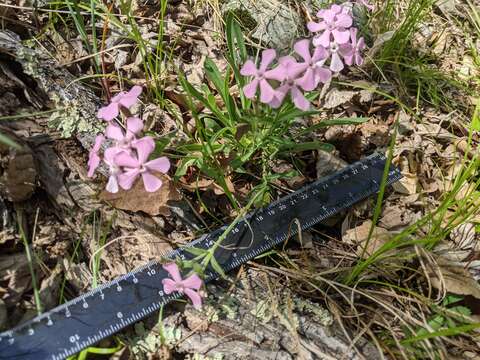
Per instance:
(263,311)
(148,342)
(69,120)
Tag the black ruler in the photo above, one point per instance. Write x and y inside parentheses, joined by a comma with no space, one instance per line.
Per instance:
(84,321)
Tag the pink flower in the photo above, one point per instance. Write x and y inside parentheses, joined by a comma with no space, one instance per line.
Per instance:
(188,286)
(314,70)
(335,26)
(291,71)
(122,138)
(135,166)
(352,53)
(260,77)
(93,157)
(125,99)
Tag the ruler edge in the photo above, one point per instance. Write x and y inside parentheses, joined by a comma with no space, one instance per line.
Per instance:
(390,179)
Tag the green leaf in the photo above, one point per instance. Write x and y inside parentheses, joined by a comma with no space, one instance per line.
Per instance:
(237,55)
(213,74)
(235,42)
(9,142)
(184,165)
(208,102)
(476,117)
(216,266)
(196,251)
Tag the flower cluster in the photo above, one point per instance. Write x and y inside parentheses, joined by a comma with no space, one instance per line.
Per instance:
(334,45)
(127,157)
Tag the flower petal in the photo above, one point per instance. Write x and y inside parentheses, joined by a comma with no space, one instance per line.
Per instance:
(323,74)
(93,163)
(308,81)
(279,73)
(144,147)
(161,164)
(302,48)
(110,153)
(320,53)
(361,44)
(98,142)
(195,298)
(316,27)
(330,14)
(341,37)
(127,178)
(266,92)
(346,50)
(248,69)
(299,100)
(358,59)
(336,64)
(109,112)
(123,159)
(323,40)
(268,56)
(134,125)
(336,9)
(276,101)
(151,182)
(192,282)
(169,286)
(112,184)
(173,271)
(343,21)
(251,89)
(114,132)
(130,98)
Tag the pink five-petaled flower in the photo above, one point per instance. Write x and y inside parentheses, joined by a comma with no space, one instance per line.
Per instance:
(315,73)
(291,71)
(125,99)
(134,166)
(93,157)
(260,77)
(352,53)
(188,286)
(335,25)
(122,138)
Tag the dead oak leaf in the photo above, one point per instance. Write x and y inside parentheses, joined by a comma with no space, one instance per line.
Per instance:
(138,199)
(453,278)
(360,236)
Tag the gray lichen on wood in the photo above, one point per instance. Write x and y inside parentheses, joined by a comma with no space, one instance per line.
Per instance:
(77,105)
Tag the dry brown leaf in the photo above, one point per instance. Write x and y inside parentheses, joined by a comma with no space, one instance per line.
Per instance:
(335,98)
(454,279)
(328,163)
(138,199)
(359,236)
(407,184)
(208,184)
(396,216)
